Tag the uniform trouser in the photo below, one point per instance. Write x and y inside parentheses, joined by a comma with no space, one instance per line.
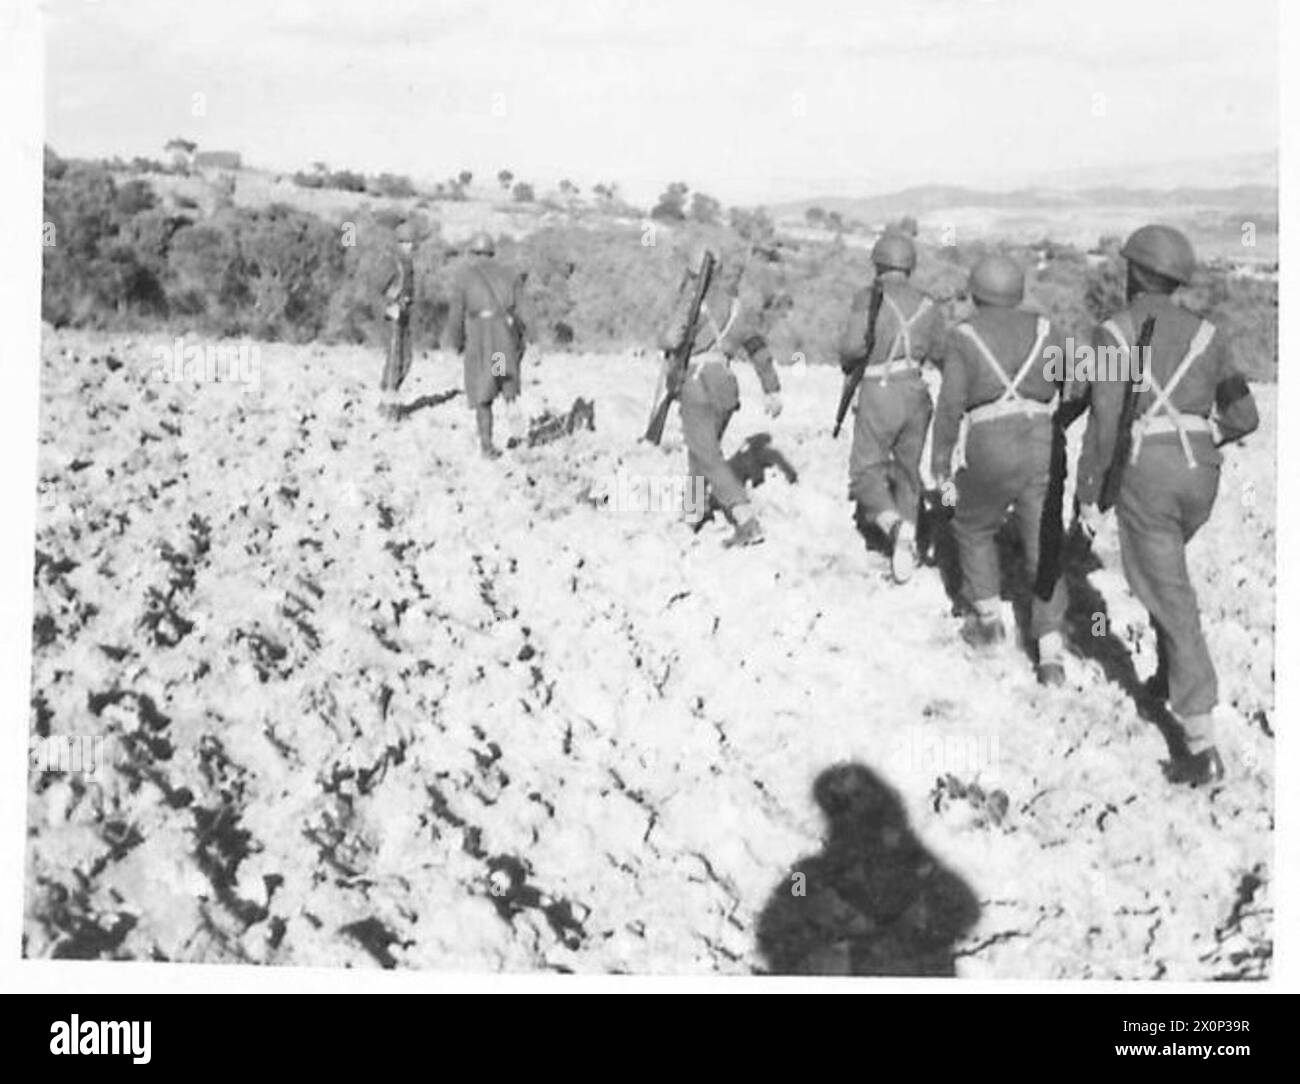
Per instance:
(888,438)
(1162,503)
(1008,463)
(704,420)
(490,376)
(399,355)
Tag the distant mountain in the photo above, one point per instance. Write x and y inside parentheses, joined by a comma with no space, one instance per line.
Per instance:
(1221,171)
(928,199)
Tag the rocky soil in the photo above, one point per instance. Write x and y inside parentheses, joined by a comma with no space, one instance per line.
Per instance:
(368,700)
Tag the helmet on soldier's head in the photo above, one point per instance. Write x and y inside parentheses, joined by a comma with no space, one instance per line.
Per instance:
(481,244)
(894,252)
(1161,249)
(998,280)
(405,232)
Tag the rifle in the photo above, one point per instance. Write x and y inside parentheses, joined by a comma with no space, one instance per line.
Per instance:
(1128,414)
(853,378)
(1051,529)
(679,356)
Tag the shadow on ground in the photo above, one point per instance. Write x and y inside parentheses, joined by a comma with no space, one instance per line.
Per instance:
(1088,631)
(756,457)
(873,901)
(424,402)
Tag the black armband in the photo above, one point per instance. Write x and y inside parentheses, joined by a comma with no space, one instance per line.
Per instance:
(1230,391)
(756,347)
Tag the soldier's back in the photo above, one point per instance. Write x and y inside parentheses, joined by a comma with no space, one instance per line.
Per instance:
(1009,334)
(1176,329)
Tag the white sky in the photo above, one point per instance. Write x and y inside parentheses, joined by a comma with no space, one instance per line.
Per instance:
(751,100)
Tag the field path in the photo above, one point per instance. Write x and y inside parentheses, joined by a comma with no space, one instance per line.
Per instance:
(372,700)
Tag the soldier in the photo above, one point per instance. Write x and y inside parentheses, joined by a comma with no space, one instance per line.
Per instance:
(1168,484)
(486,328)
(997,373)
(710,395)
(400,295)
(894,407)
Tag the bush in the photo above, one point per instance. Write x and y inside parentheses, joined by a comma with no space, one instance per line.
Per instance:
(120,258)
(672,203)
(393,186)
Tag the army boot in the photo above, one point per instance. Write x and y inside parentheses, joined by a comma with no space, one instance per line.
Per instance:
(1200,764)
(748,532)
(984,627)
(1051,659)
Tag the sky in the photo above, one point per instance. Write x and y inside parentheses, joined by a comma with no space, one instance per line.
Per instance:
(753,101)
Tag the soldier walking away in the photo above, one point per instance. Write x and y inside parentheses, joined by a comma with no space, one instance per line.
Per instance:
(1168,464)
(487,331)
(710,394)
(399,293)
(894,407)
(997,377)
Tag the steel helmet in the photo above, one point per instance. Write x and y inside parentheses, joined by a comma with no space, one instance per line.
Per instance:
(405,232)
(482,244)
(998,280)
(894,252)
(1161,249)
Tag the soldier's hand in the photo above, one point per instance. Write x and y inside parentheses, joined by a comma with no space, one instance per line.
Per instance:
(772,404)
(1089,520)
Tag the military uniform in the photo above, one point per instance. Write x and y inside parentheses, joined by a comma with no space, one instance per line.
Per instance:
(400,294)
(893,408)
(728,327)
(1169,485)
(997,378)
(1170,478)
(487,330)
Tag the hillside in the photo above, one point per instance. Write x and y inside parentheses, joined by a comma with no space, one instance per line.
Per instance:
(371,701)
(1212,216)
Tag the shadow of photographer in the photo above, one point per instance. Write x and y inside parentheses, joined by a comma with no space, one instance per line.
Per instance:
(874,900)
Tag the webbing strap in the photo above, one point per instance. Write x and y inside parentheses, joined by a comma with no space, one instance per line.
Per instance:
(1010,392)
(1163,406)
(720,332)
(905,324)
